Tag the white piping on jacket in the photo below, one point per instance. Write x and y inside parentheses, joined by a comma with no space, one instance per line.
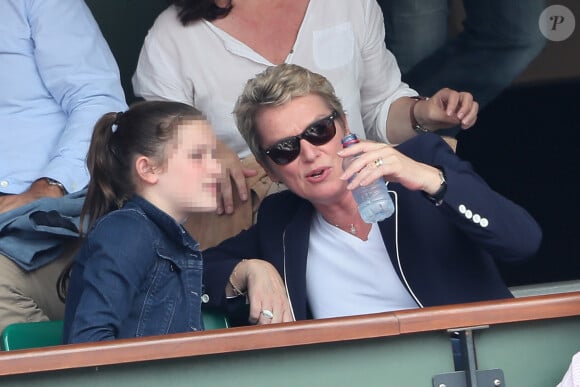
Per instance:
(405,282)
(285,280)
(397,251)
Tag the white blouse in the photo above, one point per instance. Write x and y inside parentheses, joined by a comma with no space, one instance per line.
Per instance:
(202,65)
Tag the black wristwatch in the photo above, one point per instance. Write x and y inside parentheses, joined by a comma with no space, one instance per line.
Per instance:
(437,197)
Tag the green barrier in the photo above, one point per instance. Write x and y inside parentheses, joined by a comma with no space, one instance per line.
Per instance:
(396,361)
(535,354)
(525,342)
(530,354)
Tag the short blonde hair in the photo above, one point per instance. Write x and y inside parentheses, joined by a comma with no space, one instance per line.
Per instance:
(276,86)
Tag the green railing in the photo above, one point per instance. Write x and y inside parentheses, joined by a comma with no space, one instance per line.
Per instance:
(524,342)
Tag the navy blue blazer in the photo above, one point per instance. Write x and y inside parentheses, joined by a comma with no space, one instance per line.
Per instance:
(442,254)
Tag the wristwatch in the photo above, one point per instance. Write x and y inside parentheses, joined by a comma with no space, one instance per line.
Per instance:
(414,124)
(57,183)
(437,197)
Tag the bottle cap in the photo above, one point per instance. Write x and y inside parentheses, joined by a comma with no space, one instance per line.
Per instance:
(349,140)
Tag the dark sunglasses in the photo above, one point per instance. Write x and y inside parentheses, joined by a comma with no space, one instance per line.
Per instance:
(319,133)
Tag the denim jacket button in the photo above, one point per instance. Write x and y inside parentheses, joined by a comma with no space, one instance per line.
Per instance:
(204,298)
(172,267)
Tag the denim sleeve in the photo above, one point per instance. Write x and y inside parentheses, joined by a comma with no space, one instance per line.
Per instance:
(116,263)
(79,70)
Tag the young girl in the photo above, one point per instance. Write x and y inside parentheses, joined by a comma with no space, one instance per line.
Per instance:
(139,272)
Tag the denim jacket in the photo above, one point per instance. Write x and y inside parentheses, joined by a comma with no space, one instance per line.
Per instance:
(138,273)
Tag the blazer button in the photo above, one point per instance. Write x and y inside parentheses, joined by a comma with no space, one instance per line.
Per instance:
(462,208)
(476,218)
(484,222)
(204,298)
(468,214)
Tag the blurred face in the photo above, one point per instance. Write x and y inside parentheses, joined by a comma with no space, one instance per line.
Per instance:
(314,173)
(188,183)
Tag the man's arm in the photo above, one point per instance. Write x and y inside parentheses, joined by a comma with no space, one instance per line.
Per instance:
(81,74)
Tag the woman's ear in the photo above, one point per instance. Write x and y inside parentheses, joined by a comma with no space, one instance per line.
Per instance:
(146,170)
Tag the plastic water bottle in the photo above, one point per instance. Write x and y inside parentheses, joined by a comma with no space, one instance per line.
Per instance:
(374,202)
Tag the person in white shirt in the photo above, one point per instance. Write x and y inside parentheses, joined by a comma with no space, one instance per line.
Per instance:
(202,54)
(572,376)
(440,246)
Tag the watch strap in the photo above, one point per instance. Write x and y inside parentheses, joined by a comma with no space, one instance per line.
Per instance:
(437,197)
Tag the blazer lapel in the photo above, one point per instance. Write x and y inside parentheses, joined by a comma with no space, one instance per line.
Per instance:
(295,253)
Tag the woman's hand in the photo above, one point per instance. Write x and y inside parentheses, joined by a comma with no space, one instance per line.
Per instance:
(445,109)
(232,170)
(378,160)
(266,291)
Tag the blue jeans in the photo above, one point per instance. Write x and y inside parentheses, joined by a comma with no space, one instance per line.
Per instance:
(499,39)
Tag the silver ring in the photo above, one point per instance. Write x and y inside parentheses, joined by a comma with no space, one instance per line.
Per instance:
(379,162)
(268,314)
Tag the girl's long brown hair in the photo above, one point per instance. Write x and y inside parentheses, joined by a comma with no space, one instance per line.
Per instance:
(118,138)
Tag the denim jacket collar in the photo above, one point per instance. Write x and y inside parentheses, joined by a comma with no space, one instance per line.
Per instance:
(165,222)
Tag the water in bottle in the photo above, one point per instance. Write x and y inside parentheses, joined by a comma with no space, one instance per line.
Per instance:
(374,202)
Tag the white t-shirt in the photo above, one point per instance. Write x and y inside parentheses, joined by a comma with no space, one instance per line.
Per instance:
(343,40)
(346,276)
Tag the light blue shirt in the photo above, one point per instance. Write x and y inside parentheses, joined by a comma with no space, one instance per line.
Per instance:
(57,78)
